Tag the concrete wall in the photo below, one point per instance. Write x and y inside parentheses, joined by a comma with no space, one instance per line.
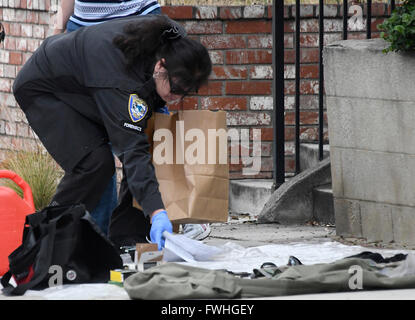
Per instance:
(370,100)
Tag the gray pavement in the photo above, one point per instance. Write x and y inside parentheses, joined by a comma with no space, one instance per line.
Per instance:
(310,243)
(250,234)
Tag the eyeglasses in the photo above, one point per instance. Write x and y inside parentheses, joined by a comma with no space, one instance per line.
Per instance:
(175,88)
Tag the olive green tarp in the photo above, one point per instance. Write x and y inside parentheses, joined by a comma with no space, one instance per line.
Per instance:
(172,281)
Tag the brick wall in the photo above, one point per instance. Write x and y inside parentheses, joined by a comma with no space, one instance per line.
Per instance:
(240,44)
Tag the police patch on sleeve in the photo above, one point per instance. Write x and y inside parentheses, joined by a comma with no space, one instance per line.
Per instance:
(137,108)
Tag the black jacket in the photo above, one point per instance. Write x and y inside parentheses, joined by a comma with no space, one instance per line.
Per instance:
(85,71)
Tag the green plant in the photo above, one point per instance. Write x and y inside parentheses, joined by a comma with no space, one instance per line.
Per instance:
(38,169)
(399,29)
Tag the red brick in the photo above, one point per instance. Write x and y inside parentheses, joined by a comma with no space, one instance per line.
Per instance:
(15,58)
(21,44)
(223,42)
(265,41)
(223,103)
(239,175)
(261,72)
(248,27)
(189,103)
(213,88)
(254,11)
(288,26)
(260,41)
(23,4)
(289,133)
(289,164)
(235,167)
(206,12)
(312,134)
(309,40)
(26,56)
(203,27)
(267,134)
(306,118)
(5,85)
(216,56)
(249,57)
(32,44)
(306,11)
(44,18)
(14,29)
(237,118)
(228,13)
(287,11)
(225,72)
(32,16)
(237,149)
(10,43)
(375,35)
(378,9)
(21,15)
(178,12)
(249,87)
(307,55)
(309,71)
(309,25)
(306,87)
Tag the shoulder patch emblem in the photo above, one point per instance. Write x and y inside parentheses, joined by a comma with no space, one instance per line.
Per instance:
(137,108)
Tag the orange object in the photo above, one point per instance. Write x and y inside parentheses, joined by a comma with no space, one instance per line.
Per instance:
(13,211)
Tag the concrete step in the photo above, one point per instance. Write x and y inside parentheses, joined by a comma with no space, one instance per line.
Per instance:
(309,155)
(323,207)
(248,196)
(292,202)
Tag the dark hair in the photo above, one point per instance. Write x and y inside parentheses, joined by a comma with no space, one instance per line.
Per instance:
(158,37)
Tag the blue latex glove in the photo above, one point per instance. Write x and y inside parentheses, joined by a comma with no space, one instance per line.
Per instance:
(160,223)
(164,110)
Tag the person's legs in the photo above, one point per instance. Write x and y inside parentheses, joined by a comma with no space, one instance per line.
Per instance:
(108,202)
(78,145)
(87,181)
(128,224)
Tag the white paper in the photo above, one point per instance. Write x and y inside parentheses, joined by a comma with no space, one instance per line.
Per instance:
(180,248)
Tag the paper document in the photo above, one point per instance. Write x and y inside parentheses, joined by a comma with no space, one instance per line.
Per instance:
(180,248)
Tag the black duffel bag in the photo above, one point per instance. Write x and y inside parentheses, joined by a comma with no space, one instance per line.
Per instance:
(60,241)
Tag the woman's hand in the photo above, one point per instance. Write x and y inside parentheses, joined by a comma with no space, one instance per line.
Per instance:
(159,223)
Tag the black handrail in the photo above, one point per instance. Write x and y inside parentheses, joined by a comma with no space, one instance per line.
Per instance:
(278,83)
(278,91)
(321,81)
(297,86)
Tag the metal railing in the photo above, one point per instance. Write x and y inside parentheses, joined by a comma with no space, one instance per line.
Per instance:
(278,83)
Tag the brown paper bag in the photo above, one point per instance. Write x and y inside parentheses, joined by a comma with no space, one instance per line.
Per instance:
(191,163)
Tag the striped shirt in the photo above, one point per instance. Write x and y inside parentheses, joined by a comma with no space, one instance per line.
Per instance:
(90,12)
